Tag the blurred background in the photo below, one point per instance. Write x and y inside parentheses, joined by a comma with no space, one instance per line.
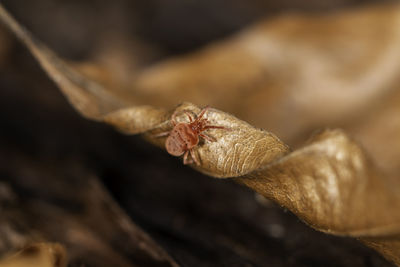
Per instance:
(199,221)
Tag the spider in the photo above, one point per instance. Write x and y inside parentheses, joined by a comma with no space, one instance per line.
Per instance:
(184,137)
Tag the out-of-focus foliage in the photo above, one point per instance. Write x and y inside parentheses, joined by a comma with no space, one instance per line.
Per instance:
(291,74)
(40,254)
(78,213)
(5,44)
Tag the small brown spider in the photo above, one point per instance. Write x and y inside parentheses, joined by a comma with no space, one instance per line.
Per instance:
(185,136)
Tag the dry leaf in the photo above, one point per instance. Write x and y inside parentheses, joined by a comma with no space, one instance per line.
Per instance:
(35,255)
(284,73)
(279,72)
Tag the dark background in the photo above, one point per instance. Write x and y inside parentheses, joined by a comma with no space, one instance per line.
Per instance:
(198,220)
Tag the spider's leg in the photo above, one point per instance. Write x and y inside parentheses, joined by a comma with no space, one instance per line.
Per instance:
(162,134)
(208,138)
(202,112)
(194,157)
(186,160)
(189,116)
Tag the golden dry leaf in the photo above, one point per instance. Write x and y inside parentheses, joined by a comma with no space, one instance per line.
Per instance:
(279,72)
(35,255)
(291,74)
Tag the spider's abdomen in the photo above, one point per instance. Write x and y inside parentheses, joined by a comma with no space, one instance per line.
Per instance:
(181,139)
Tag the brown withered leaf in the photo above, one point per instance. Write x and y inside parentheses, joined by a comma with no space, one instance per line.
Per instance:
(284,74)
(279,72)
(39,254)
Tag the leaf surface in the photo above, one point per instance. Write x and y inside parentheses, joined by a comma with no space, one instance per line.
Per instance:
(292,74)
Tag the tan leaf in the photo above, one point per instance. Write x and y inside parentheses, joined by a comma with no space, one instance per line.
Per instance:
(289,73)
(292,74)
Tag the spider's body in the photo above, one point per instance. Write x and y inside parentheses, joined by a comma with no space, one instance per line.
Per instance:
(180,139)
(185,136)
